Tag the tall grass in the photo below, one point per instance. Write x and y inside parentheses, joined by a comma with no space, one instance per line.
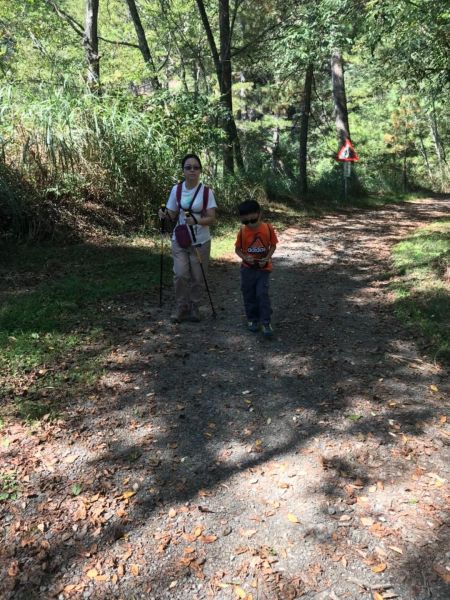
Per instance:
(422,287)
(81,151)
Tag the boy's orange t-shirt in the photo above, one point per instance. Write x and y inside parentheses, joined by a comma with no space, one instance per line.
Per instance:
(256,243)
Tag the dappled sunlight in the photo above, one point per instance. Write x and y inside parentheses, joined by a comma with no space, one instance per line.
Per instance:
(209,438)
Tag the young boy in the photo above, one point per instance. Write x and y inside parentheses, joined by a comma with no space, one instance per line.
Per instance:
(255,244)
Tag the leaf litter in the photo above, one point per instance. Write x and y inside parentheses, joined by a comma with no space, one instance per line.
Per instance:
(326,483)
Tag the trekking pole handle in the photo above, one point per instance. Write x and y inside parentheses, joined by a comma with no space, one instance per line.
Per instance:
(191,227)
(162,221)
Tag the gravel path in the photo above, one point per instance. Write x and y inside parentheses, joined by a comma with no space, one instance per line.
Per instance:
(216,464)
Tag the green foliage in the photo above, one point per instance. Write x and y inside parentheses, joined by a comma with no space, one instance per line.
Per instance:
(422,287)
(117,151)
(74,161)
(9,487)
(55,327)
(76,489)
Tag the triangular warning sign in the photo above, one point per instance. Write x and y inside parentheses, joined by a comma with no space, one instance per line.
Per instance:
(347,153)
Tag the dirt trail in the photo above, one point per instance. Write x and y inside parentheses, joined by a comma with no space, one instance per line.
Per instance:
(217,464)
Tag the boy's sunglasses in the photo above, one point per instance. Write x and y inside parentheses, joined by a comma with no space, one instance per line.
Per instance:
(192,168)
(249,221)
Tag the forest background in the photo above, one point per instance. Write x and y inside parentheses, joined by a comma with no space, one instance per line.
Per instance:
(100,99)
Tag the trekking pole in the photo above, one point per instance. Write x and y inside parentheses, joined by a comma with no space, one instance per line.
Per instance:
(161,259)
(199,258)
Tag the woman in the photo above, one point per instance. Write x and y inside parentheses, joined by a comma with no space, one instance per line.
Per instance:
(194,205)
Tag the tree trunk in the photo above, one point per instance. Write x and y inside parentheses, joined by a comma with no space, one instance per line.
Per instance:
(340,99)
(143,44)
(225,83)
(90,42)
(304,123)
(222,63)
(424,153)
(437,141)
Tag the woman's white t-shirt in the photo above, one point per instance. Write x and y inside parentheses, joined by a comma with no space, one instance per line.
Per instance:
(202,233)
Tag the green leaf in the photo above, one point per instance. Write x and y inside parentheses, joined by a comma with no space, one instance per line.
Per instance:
(354,417)
(76,489)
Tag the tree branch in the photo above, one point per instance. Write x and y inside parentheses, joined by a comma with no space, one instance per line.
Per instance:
(263,33)
(78,28)
(210,36)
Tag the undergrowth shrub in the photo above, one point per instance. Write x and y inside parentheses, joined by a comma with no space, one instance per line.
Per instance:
(110,156)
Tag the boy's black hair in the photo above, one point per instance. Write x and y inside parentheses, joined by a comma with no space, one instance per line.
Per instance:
(187,157)
(248,207)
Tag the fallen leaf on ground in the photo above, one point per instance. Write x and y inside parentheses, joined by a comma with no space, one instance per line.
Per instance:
(128,494)
(198,531)
(172,513)
(248,533)
(13,568)
(239,592)
(134,569)
(70,459)
(208,539)
(367,521)
(379,568)
(442,572)
(292,518)
(69,588)
(395,549)
(92,573)
(434,388)
(377,596)
(80,513)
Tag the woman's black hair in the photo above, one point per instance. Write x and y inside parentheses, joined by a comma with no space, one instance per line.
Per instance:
(248,207)
(187,157)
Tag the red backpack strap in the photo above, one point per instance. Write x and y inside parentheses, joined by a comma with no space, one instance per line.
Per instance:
(178,194)
(205,200)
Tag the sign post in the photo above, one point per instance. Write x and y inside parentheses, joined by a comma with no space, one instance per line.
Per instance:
(347,155)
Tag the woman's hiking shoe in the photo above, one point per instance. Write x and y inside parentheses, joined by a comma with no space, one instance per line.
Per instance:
(194,317)
(181,314)
(267,330)
(253,326)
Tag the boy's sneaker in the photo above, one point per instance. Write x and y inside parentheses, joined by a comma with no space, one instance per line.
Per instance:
(194,316)
(253,326)
(267,330)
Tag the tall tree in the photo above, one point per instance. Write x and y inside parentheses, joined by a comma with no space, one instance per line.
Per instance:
(304,126)
(222,63)
(143,44)
(90,41)
(340,97)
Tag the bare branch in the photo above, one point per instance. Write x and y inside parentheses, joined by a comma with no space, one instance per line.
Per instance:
(78,28)
(258,38)
(210,36)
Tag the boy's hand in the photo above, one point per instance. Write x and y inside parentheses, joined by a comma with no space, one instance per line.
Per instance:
(262,262)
